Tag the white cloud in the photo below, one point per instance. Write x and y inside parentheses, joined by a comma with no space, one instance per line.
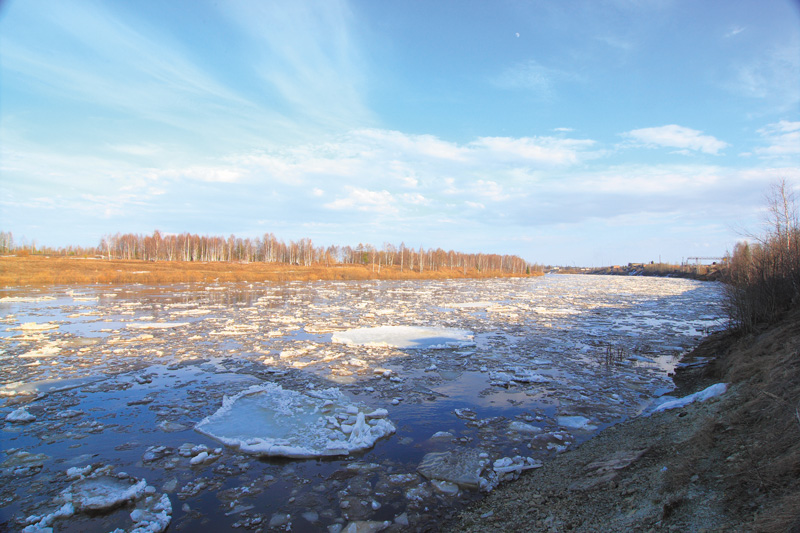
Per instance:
(420,145)
(491,190)
(546,150)
(365,200)
(415,199)
(783,138)
(674,136)
(208,174)
(648,180)
(736,30)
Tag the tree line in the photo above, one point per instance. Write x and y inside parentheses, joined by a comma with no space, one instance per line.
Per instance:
(269,249)
(763,275)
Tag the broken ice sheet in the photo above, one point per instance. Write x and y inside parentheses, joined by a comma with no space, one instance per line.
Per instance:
(413,337)
(269,420)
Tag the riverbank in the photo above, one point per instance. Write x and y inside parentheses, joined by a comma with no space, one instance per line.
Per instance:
(49,271)
(729,464)
(714,272)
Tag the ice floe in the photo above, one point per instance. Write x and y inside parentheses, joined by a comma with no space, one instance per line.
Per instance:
(409,337)
(269,420)
(576,422)
(156,325)
(96,491)
(20,415)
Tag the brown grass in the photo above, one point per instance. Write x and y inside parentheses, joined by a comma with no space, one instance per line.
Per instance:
(754,449)
(46,271)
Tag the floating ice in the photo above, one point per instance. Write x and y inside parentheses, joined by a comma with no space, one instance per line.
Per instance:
(701,396)
(269,420)
(413,337)
(26,299)
(156,325)
(468,305)
(153,515)
(522,427)
(48,350)
(34,326)
(20,415)
(103,493)
(575,422)
(100,494)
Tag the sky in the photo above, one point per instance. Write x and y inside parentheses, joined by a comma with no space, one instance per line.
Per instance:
(581,133)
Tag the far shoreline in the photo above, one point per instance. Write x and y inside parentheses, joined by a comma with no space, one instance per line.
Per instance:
(47,271)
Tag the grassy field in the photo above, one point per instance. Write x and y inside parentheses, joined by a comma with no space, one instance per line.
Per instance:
(43,271)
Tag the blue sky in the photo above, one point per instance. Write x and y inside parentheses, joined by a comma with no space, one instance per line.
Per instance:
(576,133)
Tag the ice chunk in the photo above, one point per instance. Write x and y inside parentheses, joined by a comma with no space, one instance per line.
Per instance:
(48,350)
(156,325)
(269,420)
(21,416)
(514,465)
(463,467)
(575,422)
(153,516)
(701,396)
(409,337)
(33,326)
(522,427)
(39,524)
(445,487)
(103,493)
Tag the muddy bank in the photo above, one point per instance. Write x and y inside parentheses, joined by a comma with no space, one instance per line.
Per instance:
(728,464)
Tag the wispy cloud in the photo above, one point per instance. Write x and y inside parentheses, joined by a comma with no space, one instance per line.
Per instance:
(308,55)
(736,30)
(783,139)
(360,199)
(674,136)
(773,76)
(531,76)
(542,150)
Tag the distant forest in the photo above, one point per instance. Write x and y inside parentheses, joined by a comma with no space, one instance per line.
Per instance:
(270,249)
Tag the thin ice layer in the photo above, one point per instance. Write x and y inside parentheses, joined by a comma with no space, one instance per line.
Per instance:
(414,337)
(269,420)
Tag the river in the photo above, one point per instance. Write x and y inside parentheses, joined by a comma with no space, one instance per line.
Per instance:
(115,379)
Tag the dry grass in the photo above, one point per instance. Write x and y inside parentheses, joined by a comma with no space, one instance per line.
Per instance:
(754,449)
(46,271)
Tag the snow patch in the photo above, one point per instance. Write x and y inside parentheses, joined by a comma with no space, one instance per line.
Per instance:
(701,396)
